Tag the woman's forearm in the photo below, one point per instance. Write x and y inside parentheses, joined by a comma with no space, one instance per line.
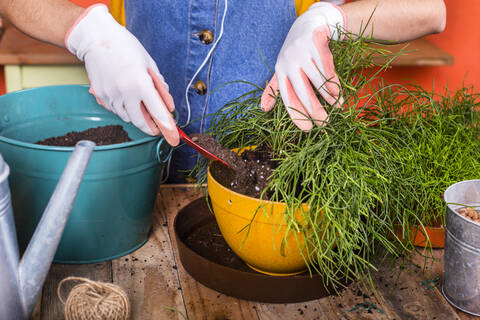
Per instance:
(47,20)
(395,20)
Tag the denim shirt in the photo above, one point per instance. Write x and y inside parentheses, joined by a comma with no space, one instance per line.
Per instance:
(254,32)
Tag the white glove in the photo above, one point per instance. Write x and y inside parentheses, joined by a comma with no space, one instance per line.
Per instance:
(305,57)
(123,76)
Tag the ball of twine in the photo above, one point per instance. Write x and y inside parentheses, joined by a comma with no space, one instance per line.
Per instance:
(93,300)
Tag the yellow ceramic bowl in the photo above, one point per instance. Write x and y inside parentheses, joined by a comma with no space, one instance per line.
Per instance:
(256,237)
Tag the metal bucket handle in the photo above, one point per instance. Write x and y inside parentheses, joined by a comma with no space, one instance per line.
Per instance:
(160,153)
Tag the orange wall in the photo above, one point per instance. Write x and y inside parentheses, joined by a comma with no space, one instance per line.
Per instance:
(461,39)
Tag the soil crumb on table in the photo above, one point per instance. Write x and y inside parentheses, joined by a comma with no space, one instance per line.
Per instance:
(470,213)
(102,136)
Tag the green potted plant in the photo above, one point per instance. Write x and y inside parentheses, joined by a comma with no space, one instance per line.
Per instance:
(333,183)
(440,146)
(368,180)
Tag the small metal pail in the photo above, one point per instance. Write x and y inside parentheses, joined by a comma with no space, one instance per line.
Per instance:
(461,283)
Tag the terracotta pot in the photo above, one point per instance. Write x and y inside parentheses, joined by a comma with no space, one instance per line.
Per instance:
(255,229)
(418,236)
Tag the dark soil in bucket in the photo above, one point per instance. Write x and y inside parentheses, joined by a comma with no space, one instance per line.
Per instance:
(249,173)
(102,136)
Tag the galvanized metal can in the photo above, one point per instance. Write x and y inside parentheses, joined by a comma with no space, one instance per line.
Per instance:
(461,282)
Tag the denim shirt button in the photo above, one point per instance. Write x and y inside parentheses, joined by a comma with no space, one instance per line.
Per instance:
(200,87)
(206,36)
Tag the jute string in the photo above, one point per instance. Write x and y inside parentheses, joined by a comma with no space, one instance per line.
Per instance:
(94,300)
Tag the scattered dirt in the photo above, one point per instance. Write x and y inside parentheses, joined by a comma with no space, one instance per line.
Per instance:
(208,242)
(470,213)
(102,136)
(249,173)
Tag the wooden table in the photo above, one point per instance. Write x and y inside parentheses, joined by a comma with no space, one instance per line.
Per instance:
(156,283)
(420,52)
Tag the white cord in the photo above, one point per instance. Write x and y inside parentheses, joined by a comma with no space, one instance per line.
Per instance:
(205,62)
(167,167)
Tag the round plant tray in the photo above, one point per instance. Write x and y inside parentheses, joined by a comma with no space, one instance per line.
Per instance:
(227,274)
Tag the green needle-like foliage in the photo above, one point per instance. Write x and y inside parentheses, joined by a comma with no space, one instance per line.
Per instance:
(377,168)
(441,144)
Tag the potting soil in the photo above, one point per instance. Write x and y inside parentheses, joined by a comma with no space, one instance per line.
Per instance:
(106,135)
(249,173)
(227,155)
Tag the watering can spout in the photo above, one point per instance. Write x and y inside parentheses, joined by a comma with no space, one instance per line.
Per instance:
(22,281)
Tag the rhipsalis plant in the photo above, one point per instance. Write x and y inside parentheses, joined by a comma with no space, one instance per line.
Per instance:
(380,164)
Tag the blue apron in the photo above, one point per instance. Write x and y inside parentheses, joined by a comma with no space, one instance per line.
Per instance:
(254,32)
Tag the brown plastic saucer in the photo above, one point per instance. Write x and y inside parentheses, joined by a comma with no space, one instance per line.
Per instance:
(239,281)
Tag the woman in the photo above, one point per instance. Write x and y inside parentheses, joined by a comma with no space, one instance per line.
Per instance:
(177,52)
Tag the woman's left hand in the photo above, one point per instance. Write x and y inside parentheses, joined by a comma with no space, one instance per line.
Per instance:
(305,59)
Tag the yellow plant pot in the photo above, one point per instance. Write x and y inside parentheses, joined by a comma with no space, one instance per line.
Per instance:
(255,230)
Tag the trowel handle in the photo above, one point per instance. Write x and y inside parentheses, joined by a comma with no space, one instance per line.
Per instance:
(199,148)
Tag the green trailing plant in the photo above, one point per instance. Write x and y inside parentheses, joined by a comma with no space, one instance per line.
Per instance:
(360,173)
(440,144)
(342,171)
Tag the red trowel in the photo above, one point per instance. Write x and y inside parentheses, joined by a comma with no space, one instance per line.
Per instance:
(199,148)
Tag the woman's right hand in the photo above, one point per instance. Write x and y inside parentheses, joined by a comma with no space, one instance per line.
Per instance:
(123,76)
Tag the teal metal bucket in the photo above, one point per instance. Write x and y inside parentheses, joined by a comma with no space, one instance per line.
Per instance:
(112,214)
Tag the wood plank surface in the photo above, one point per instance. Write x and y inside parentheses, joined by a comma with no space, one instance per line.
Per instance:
(149,275)
(201,302)
(18,48)
(418,52)
(411,295)
(52,308)
(160,288)
(431,262)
